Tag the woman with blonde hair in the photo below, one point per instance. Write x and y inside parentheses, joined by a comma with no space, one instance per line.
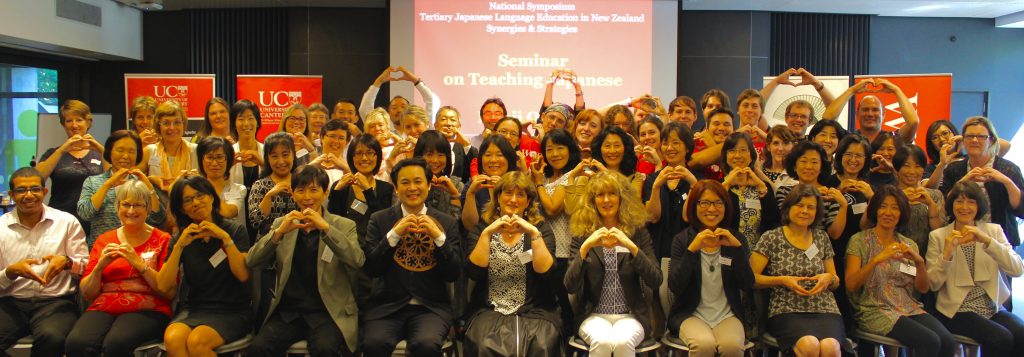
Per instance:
(510,260)
(615,256)
(294,124)
(378,124)
(172,155)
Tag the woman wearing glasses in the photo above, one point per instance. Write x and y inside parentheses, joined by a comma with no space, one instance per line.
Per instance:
(294,124)
(96,203)
(209,255)
(216,156)
(999,178)
(166,159)
(128,309)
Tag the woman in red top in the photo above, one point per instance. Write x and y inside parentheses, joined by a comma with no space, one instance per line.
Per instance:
(127,310)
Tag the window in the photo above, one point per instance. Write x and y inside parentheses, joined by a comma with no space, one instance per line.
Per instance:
(25,92)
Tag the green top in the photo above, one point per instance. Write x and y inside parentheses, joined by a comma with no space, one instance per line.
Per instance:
(887,294)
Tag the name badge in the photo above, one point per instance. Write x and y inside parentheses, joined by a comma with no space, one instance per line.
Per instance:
(621,249)
(526,257)
(860,208)
(908,269)
(218,258)
(154,160)
(811,252)
(95,162)
(359,206)
(752,203)
(301,153)
(726,261)
(328,255)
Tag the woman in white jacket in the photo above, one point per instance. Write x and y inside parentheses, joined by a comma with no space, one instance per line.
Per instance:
(968,264)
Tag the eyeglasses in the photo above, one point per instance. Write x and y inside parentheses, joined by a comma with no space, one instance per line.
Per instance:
(364,154)
(942,135)
(295,118)
(23,190)
(215,158)
(127,206)
(194,199)
(853,155)
(797,116)
(708,204)
(976,137)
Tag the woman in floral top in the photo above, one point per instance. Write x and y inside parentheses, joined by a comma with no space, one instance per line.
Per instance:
(748,188)
(883,270)
(796,262)
(270,197)
(127,309)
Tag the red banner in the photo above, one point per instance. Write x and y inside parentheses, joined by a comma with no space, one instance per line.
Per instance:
(929,93)
(273,94)
(192,91)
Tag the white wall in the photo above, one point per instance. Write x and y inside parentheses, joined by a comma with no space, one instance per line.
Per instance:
(34,25)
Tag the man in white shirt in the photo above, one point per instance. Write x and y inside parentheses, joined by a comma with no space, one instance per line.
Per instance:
(41,249)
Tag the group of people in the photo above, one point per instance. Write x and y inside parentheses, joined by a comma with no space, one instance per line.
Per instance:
(361,227)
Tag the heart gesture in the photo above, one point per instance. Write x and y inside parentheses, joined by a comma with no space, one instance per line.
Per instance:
(445,183)
(417,223)
(482,181)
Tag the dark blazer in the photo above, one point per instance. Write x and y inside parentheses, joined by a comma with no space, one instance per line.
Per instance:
(770,216)
(585,278)
(684,277)
(335,279)
(538,293)
(1002,213)
(397,285)
(460,161)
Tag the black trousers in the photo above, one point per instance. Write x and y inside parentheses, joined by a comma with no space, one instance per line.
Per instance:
(423,331)
(99,333)
(47,320)
(323,338)
(1002,335)
(924,335)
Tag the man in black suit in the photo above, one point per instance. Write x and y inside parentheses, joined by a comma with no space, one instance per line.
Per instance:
(414,250)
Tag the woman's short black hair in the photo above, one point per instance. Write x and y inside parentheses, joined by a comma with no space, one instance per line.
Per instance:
(933,152)
(272,141)
(560,137)
(433,141)
(876,201)
(908,152)
(335,124)
(798,193)
(683,133)
(822,124)
(108,147)
(240,107)
(730,142)
(210,144)
(629,160)
(369,142)
(844,146)
(200,184)
(506,150)
(968,190)
(802,148)
(307,174)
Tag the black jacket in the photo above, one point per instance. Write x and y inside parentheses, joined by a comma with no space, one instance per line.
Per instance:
(585,278)
(684,277)
(397,285)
